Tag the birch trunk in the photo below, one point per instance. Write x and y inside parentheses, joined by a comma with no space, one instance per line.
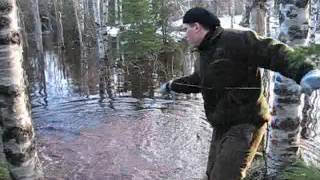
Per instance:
(232,12)
(269,13)
(283,146)
(314,15)
(99,20)
(22,26)
(77,11)
(284,136)
(293,22)
(98,27)
(245,21)
(30,9)
(58,14)
(44,12)
(18,133)
(258,17)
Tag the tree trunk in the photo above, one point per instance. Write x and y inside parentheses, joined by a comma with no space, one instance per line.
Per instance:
(30,9)
(284,135)
(231,12)
(245,21)
(44,12)
(22,26)
(293,22)
(77,11)
(99,24)
(18,133)
(98,27)
(314,15)
(258,15)
(58,14)
(269,13)
(89,32)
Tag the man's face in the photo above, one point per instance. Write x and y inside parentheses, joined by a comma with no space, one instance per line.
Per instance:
(193,34)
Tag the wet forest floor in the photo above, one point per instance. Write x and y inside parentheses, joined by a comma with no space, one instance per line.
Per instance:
(126,145)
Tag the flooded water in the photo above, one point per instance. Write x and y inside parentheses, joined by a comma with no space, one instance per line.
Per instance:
(127,132)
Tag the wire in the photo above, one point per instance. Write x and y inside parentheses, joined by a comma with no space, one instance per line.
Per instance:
(226,88)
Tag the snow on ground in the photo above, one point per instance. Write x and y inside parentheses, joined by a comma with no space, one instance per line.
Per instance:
(225,22)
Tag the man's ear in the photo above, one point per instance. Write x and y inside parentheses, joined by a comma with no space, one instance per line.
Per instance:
(197,26)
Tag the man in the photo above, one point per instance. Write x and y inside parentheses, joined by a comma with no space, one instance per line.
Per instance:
(227,75)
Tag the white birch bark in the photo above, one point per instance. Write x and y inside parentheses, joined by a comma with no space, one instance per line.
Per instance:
(232,12)
(98,26)
(293,22)
(314,15)
(18,133)
(283,146)
(269,14)
(284,136)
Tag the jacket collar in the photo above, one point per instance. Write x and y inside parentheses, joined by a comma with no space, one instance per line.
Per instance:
(209,38)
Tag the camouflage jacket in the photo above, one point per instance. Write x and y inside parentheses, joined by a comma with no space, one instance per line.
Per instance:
(228,77)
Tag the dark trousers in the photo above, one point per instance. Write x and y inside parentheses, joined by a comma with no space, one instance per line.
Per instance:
(232,152)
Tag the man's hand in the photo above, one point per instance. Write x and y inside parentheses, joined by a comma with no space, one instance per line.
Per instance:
(165,88)
(310,82)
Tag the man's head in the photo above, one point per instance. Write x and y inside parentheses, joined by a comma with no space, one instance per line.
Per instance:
(198,22)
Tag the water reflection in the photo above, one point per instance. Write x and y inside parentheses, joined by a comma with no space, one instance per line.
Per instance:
(73,94)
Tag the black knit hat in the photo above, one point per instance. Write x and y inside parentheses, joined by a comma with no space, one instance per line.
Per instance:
(201,16)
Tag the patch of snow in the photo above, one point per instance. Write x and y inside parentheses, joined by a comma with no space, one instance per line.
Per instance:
(177,23)
(178,35)
(225,22)
(113,31)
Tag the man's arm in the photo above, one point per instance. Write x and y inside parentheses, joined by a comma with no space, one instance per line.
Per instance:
(274,55)
(186,84)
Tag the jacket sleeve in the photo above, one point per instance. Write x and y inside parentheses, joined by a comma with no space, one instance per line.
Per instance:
(188,84)
(272,54)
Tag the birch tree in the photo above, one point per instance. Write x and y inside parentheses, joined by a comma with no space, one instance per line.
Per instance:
(30,10)
(245,21)
(293,22)
(284,136)
(258,16)
(232,12)
(58,19)
(46,24)
(18,133)
(314,16)
(284,132)
(78,12)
